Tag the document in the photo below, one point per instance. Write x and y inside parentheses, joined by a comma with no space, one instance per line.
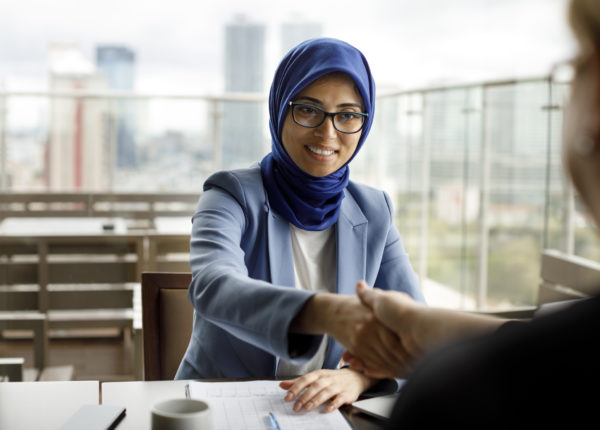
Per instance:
(246,406)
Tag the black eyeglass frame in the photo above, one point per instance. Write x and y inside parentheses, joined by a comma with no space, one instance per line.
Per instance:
(292,103)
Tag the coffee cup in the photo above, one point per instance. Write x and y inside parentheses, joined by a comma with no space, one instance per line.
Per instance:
(181,414)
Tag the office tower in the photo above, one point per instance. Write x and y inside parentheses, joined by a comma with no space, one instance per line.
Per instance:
(75,155)
(297,30)
(117,63)
(244,123)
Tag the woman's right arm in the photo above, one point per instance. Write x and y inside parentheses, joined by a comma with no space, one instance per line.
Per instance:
(222,292)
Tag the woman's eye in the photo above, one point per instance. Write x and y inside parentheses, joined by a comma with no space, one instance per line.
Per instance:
(348,116)
(307,110)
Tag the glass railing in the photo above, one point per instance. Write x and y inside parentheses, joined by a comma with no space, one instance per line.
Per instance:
(474,171)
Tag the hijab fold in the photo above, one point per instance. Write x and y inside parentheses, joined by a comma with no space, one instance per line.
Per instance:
(310,202)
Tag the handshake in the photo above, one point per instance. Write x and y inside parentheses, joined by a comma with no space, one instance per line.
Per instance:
(385,333)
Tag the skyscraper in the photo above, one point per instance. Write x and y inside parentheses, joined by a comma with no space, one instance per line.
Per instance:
(117,63)
(244,123)
(75,154)
(297,30)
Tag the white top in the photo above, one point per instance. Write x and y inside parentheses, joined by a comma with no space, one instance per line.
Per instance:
(314,270)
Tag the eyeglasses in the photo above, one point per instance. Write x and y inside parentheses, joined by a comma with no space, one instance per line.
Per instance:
(347,122)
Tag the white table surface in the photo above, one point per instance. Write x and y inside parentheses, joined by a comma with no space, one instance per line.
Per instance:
(43,405)
(138,397)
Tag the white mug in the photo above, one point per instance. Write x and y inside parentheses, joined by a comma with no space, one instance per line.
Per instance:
(181,414)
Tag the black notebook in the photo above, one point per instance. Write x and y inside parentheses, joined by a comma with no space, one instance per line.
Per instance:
(95,417)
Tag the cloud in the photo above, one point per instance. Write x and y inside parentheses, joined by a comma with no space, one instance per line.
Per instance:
(407,42)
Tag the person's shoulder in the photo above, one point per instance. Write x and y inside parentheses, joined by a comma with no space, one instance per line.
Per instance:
(369,198)
(243,184)
(235,178)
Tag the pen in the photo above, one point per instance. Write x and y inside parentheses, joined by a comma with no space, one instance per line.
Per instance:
(273,420)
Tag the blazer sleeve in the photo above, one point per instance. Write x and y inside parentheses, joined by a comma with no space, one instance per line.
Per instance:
(395,271)
(222,292)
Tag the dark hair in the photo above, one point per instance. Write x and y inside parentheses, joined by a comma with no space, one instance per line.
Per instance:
(584,17)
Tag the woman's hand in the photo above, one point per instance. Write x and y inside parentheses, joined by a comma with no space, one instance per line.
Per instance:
(339,387)
(354,326)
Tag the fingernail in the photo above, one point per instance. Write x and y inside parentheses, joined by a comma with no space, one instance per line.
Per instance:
(289,396)
(309,406)
(297,406)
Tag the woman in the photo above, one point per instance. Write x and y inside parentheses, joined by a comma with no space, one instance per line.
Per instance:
(276,249)
(538,374)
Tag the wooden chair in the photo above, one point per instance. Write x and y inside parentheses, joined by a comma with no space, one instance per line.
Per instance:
(167,319)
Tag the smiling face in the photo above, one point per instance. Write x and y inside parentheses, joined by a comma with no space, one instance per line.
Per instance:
(322,150)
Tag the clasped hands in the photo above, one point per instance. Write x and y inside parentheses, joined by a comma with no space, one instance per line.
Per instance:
(367,326)
(379,339)
(385,333)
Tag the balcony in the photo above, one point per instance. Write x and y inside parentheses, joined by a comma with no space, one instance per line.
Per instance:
(474,172)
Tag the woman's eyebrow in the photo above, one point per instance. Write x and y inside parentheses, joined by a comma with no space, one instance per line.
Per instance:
(319,102)
(310,99)
(350,105)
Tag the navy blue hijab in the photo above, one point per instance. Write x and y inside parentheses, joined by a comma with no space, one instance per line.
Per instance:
(309,202)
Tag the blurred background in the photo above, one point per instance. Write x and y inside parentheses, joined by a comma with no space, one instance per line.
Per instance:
(135,96)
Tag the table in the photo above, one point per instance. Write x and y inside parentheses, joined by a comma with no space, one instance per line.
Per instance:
(138,397)
(48,405)
(43,405)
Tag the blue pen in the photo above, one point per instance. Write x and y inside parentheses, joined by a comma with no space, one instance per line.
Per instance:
(273,420)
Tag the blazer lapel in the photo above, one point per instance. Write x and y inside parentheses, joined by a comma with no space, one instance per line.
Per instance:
(281,260)
(351,246)
(351,237)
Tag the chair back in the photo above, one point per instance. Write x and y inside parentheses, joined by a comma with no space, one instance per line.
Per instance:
(566,277)
(167,319)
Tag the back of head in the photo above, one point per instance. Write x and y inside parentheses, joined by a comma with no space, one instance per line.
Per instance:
(584,16)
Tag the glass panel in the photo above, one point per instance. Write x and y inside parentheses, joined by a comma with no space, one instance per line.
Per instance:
(452,123)
(424,151)
(516,119)
(26,142)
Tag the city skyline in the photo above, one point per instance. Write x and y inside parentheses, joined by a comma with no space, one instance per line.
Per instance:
(181,46)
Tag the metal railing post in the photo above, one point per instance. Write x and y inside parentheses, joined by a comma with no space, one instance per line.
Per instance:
(217,147)
(464,267)
(3,149)
(484,184)
(425,172)
(111,156)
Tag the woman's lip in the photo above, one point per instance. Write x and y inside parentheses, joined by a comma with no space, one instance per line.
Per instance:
(320,150)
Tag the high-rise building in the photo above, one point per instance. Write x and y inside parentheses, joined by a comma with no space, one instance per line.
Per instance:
(75,153)
(244,123)
(298,30)
(117,63)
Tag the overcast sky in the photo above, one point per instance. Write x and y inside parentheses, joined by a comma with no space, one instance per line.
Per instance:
(179,43)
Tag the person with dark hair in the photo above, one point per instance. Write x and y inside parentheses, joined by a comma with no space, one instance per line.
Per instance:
(277,248)
(474,371)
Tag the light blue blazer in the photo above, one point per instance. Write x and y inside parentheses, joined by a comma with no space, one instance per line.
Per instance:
(242,287)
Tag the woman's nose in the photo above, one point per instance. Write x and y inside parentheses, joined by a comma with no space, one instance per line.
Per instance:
(327,130)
